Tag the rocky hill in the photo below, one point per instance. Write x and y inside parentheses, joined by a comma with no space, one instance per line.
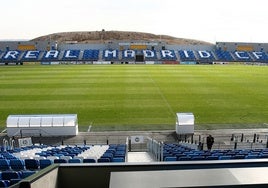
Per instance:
(107,36)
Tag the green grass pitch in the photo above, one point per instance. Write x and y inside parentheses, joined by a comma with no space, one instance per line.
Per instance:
(138,97)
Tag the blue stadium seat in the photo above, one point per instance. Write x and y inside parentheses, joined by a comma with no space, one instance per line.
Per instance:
(168,55)
(4,183)
(263,155)
(207,154)
(12,55)
(259,56)
(252,157)
(189,152)
(185,158)
(118,159)
(224,55)
(149,55)
(170,159)
(129,55)
(90,55)
(212,157)
(17,164)
(88,160)
(120,153)
(104,160)
(8,175)
(32,164)
(112,151)
(193,155)
(60,161)
(4,164)
(76,160)
(218,154)
(107,155)
(27,173)
(187,55)
(30,55)
(197,158)
(51,55)
(167,155)
(180,155)
(14,181)
(232,153)
(71,55)
(121,147)
(109,55)
(238,157)
(205,55)
(8,155)
(242,56)
(225,157)
(45,163)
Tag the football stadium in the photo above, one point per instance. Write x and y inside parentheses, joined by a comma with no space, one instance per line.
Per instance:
(133,113)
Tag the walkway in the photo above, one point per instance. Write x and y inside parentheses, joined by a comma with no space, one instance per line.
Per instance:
(140,157)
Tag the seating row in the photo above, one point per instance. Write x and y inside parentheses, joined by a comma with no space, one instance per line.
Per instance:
(177,152)
(40,157)
(35,164)
(8,178)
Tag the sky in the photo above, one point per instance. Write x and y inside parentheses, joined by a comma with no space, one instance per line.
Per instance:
(206,20)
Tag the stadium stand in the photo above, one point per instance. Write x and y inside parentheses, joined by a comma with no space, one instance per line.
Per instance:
(16,159)
(113,52)
(199,56)
(182,151)
(18,163)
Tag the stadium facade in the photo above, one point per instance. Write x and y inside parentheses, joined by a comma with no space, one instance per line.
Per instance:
(130,52)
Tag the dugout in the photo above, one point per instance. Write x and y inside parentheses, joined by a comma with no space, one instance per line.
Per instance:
(184,123)
(42,125)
